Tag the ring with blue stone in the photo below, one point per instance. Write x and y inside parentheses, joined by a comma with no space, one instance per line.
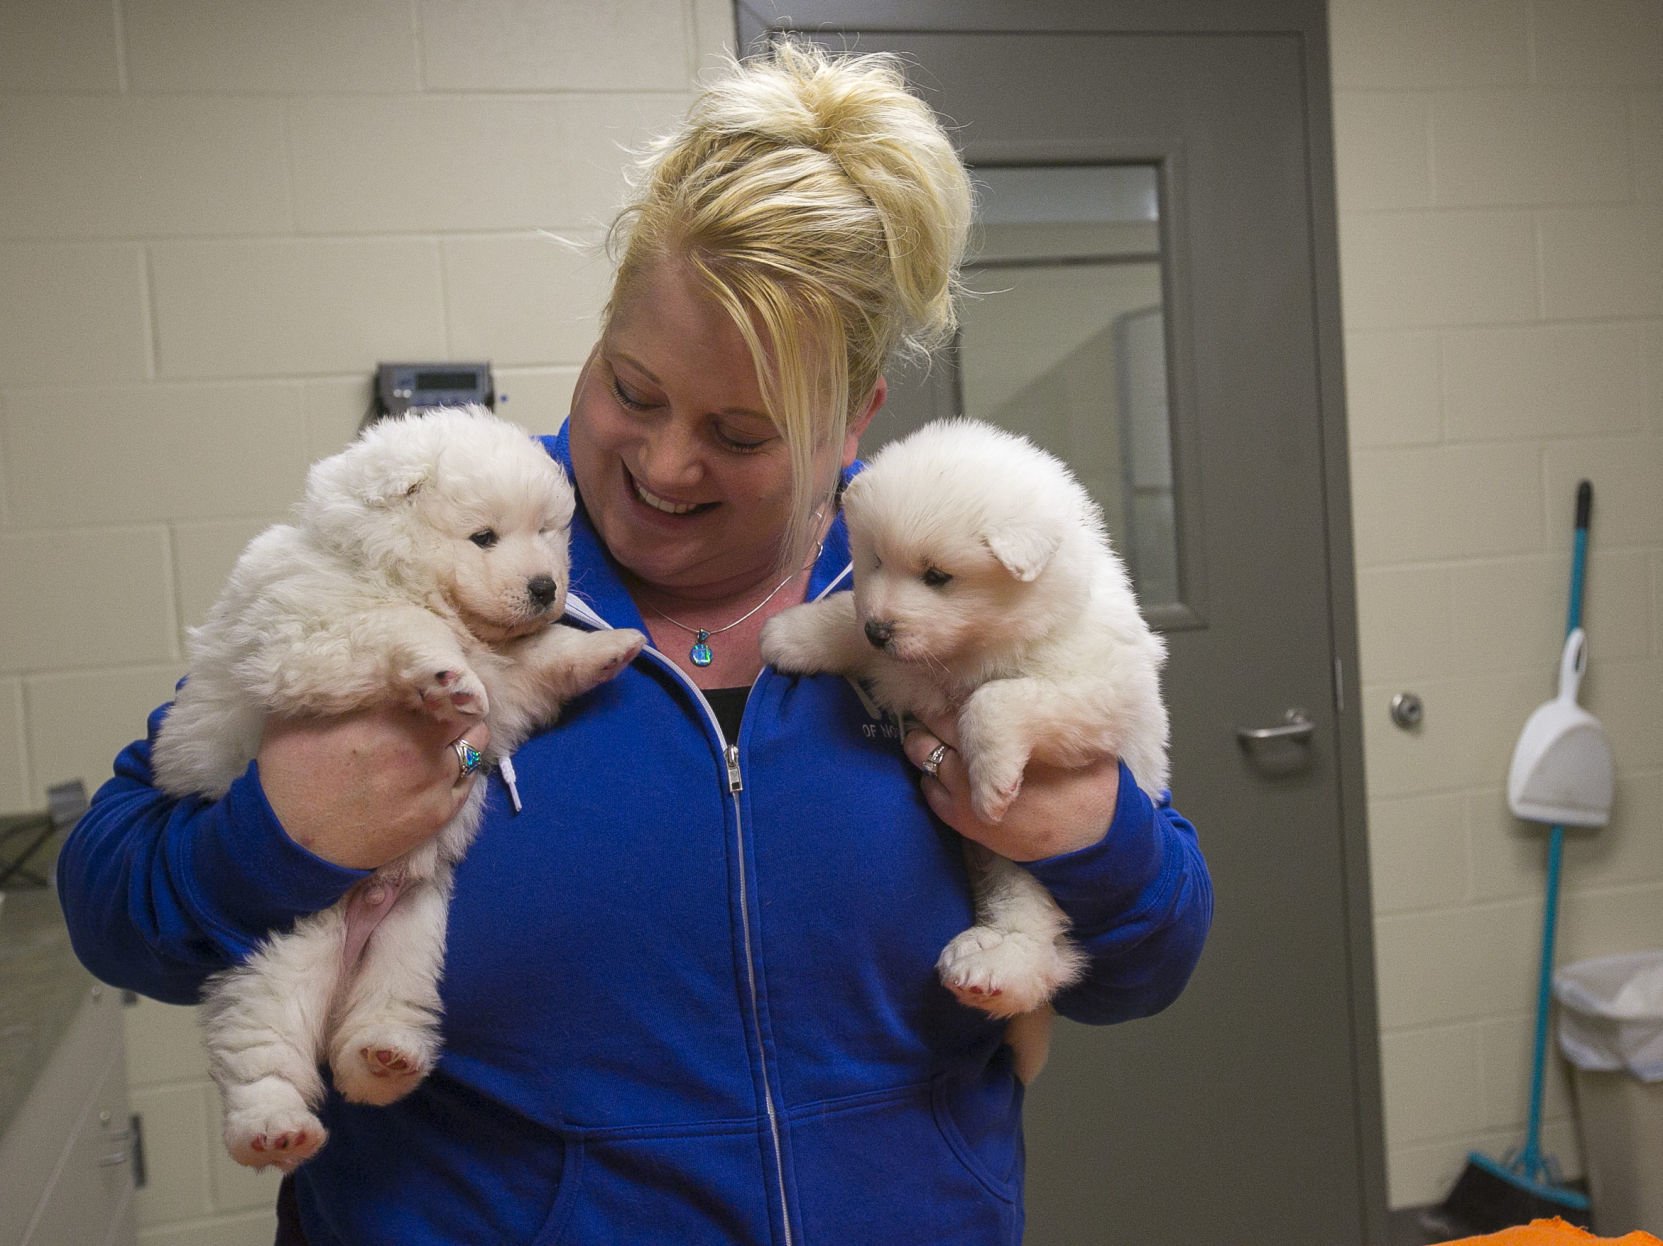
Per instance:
(468,757)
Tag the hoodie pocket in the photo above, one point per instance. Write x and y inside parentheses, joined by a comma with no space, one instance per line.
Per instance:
(695,1186)
(894,1166)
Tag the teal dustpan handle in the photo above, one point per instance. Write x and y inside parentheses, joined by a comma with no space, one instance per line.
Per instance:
(1530,1161)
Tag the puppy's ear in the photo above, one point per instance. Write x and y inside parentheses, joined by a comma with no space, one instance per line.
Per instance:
(406,487)
(397,482)
(1024,548)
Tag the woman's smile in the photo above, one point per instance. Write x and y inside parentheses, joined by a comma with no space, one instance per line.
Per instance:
(682,471)
(664,505)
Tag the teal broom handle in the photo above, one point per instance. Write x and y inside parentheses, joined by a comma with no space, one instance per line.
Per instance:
(1531,1158)
(1579,555)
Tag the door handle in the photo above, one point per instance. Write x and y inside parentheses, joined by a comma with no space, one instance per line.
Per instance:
(1296,726)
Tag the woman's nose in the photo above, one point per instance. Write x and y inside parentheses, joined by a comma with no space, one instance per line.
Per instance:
(669,458)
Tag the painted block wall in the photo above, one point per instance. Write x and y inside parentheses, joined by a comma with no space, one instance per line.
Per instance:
(215,219)
(1500,169)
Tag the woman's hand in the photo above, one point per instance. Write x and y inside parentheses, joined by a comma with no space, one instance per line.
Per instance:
(364,788)
(1056,811)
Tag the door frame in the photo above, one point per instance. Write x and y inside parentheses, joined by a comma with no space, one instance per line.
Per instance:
(1306,21)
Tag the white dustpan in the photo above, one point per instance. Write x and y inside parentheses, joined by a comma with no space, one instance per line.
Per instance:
(1562,771)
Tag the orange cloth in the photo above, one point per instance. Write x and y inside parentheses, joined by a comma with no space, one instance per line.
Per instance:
(1553,1232)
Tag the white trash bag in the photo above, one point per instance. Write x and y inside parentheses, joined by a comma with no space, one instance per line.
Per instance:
(1611,1014)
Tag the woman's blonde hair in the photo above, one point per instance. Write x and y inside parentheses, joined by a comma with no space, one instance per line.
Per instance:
(823,205)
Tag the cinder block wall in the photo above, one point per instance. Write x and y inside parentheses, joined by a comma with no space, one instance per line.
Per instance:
(215,219)
(1501,226)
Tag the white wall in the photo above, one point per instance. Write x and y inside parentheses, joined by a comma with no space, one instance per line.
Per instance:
(1501,228)
(216,217)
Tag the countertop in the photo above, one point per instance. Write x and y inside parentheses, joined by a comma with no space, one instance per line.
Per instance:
(42,986)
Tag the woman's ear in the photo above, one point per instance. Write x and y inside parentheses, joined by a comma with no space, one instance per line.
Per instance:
(858,425)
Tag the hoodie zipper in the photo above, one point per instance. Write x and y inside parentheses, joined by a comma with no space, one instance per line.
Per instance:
(735,785)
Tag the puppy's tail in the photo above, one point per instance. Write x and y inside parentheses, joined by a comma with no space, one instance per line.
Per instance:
(1029,1038)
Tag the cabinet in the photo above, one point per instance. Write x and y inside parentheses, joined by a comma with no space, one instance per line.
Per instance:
(66,1159)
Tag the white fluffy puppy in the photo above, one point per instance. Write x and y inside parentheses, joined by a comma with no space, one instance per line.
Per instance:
(427,565)
(986,589)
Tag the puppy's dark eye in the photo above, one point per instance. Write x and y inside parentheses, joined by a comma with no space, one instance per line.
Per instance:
(484,538)
(935,577)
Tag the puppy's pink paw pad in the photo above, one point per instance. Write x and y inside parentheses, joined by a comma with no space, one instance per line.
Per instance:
(297,1141)
(388,1062)
(381,1064)
(997,972)
(280,1146)
(445,690)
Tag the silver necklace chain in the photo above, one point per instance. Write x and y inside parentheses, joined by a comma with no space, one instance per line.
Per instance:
(700,654)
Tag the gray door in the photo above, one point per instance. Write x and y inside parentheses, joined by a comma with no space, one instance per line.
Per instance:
(1159,306)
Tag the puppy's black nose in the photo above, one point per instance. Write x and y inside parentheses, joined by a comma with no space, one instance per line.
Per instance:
(879,632)
(542,590)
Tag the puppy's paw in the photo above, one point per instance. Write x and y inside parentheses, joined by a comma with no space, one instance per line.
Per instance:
(282,1138)
(617,649)
(450,689)
(992,790)
(995,750)
(588,659)
(1006,973)
(380,1064)
(794,641)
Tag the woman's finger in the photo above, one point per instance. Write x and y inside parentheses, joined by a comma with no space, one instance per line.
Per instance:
(927,751)
(468,749)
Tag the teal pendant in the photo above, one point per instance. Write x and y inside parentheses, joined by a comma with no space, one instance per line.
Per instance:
(700,652)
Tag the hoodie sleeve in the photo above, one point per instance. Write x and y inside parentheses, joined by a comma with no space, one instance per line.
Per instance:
(160,892)
(1140,901)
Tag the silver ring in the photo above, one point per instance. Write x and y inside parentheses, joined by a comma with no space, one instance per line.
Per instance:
(931,765)
(467,757)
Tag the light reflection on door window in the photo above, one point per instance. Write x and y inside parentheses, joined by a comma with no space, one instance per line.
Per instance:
(1063,340)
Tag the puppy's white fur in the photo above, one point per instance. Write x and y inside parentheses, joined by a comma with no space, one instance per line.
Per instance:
(986,588)
(427,565)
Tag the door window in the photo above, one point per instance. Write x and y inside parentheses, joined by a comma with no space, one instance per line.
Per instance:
(1064,340)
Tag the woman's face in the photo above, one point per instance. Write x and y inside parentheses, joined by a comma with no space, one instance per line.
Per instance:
(683,473)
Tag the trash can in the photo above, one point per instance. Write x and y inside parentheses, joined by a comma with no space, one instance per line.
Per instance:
(1611,1030)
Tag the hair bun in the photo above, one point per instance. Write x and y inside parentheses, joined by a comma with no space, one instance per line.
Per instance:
(858,112)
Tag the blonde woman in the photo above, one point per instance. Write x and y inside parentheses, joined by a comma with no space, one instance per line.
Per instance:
(690,992)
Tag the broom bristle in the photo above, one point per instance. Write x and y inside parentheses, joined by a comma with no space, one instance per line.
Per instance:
(1489,1198)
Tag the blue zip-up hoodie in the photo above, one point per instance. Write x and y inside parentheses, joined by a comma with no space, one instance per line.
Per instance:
(690,991)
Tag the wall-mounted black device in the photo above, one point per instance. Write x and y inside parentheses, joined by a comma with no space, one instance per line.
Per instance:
(401,387)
